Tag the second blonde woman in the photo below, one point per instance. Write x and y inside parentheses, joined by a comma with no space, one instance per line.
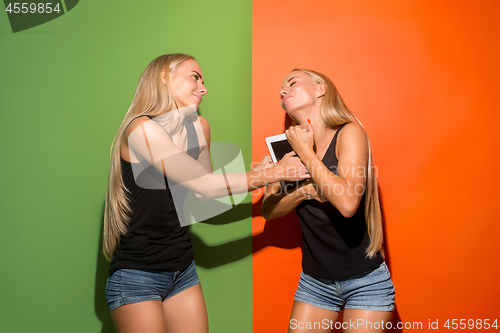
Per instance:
(338,211)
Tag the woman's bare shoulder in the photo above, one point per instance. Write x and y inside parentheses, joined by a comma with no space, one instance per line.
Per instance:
(352,139)
(136,122)
(204,123)
(352,131)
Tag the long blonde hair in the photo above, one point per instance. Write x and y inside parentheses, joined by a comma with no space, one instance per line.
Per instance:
(334,113)
(152,97)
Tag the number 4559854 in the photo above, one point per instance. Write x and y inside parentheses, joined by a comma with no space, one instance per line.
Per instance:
(32,8)
(470,324)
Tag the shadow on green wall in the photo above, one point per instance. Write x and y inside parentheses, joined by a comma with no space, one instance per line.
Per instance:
(211,256)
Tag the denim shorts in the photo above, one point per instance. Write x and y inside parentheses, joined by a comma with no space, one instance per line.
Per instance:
(127,286)
(374,291)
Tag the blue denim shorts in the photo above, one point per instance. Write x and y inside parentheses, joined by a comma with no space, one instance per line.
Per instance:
(374,291)
(127,286)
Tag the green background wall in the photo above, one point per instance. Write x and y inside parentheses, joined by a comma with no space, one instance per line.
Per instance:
(64,89)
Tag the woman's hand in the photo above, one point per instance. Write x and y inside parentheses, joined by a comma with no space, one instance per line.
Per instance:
(265,163)
(292,168)
(310,191)
(301,138)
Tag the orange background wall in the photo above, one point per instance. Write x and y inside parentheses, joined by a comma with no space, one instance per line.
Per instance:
(423,78)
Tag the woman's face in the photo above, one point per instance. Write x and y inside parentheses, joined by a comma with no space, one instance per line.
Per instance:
(299,91)
(186,84)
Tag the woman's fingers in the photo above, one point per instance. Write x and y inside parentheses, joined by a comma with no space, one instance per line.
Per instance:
(266,162)
(268,159)
(290,154)
(309,126)
(293,168)
(288,160)
(311,191)
(300,139)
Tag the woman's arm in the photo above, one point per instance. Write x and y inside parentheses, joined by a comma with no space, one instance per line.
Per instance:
(277,203)
(254,178)
(204,157)
(148,142)
(345,190)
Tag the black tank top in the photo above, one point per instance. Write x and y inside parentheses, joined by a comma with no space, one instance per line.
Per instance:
(155,239)
(334,246)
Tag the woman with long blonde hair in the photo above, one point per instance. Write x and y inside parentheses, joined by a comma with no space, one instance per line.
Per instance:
(338,210)
(161,145)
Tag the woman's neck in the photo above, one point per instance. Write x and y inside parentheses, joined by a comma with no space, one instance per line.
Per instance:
(322,135)
(174,121)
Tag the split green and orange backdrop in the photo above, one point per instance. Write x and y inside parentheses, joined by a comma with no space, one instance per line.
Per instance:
(420,75)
